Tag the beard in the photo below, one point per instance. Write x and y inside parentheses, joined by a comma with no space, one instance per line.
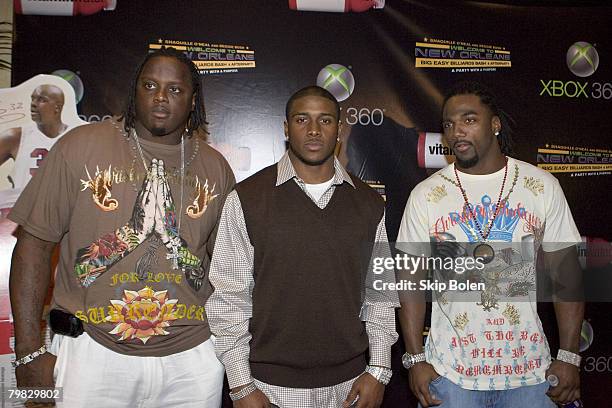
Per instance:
(466,164)
(310,162)
(159,131)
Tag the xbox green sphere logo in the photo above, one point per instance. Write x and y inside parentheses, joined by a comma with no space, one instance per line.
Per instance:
(582,59)
(74,80)
(586,336)
(338,80)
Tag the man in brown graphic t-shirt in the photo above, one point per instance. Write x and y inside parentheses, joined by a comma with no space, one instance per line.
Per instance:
(134,204)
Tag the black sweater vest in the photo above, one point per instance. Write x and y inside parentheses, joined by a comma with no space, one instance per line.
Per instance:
(310,266)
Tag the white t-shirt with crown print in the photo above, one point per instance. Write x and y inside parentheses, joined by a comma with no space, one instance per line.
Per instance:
(490,339)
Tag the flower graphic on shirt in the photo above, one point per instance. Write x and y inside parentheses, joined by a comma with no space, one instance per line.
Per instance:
(143,314)
(108,246)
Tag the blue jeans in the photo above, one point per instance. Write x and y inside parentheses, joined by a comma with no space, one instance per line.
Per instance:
(453,396)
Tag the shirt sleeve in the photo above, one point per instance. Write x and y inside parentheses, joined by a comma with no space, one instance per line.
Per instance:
(378,309)
(230,181)
(44,207)
(230,306)
(560,230)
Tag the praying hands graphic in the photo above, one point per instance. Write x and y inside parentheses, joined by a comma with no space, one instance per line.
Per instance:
(166,228)
(154,213)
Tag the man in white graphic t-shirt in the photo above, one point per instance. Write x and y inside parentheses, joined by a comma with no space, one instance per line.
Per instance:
(28,145)
(486,347)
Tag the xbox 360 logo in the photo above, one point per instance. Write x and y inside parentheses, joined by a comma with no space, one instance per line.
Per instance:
(74,80)
(338,80)
(582,59)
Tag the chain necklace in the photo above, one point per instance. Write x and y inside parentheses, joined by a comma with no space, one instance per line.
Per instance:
(133,148)
(175,243)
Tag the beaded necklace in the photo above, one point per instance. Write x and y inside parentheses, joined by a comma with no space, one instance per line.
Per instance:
(498,208)
(483,233)
(484,251)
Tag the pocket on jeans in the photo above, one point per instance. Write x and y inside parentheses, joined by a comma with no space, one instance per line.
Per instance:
(436,380)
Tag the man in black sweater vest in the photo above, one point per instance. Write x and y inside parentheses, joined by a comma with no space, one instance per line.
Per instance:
(294,310)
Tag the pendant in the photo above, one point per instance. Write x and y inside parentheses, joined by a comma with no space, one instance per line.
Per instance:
(174,256)
(484,252)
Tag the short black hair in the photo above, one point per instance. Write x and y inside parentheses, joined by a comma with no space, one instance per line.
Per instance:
(197,118)
(487,98)
(311,91)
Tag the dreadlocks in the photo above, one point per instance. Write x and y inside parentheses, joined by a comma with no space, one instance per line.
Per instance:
(486,97)
(197,117)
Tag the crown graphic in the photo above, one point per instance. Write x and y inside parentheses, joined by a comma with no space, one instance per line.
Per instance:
(503,226)
(535,185)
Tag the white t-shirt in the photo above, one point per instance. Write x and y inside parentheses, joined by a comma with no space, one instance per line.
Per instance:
(316,191)
(491,339)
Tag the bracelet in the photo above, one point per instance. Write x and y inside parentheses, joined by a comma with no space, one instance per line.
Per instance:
(569,357)
(381,374)
(235,396)
(28,358)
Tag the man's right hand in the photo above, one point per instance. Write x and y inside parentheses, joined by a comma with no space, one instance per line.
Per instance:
(38,373)
(420,376)
(256,399)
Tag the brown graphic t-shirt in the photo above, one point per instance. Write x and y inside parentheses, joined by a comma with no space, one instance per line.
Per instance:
(135,242)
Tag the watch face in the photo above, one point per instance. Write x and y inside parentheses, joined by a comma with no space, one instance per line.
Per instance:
(407,361)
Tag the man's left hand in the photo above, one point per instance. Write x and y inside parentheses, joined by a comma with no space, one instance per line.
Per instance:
(369,391)
(568,389)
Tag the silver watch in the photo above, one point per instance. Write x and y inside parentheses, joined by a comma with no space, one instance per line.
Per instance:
(409,360)
(381,374)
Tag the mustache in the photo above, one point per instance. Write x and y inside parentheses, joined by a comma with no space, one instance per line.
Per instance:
(462,141)
(160,108)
